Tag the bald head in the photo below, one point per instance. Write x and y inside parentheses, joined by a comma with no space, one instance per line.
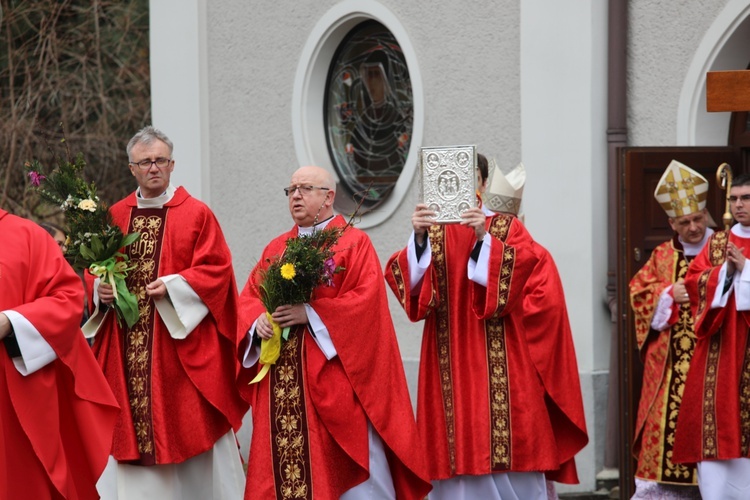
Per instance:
(307,208)
(321,176)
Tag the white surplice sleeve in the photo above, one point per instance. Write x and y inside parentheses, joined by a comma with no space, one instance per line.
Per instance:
(720,299)
(91,327)
(417,268)
(252,351)
(35,350)
(320,333)
(479,271)
(741,286)
(181,308)
(663,312)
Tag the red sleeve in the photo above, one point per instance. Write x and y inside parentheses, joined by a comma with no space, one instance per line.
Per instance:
(66,408)
(645,290)
(211,275)
(702,282)
(419,305)
(53,297)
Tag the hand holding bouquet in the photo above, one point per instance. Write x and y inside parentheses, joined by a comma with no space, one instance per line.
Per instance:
(291,278)
(93,242)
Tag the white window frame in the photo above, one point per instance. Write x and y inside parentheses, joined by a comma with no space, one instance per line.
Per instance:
(308,126)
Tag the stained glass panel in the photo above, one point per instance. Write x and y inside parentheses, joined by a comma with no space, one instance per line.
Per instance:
(368,114)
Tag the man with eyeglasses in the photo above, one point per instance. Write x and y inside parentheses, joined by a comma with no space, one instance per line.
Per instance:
(174,372)
(665,335)
(713,428)
(332,418)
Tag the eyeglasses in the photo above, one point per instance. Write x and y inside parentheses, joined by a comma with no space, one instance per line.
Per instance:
(146,164)
(303,190)
(744,198)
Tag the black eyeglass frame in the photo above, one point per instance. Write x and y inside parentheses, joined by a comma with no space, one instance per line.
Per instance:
(288,191)
(146,164)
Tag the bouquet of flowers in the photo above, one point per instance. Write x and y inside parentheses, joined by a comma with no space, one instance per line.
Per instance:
(93,241)
(291,278)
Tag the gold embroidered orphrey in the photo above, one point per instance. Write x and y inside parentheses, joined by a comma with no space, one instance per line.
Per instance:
(717,255)
(145,256)
(499,392)
(442,311)
(668,363)
(681,347)
(289,430)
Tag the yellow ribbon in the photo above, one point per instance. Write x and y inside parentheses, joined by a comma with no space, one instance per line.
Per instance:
(270,350)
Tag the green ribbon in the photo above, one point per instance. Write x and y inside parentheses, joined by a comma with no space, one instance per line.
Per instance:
(113,272)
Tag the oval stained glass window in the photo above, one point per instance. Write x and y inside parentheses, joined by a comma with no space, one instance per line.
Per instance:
(368,113)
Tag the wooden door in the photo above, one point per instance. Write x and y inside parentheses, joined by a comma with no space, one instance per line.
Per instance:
(643,225)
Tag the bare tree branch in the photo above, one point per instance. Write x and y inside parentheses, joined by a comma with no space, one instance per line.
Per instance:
(83,63)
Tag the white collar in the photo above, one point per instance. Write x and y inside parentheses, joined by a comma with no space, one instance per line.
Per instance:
(307,231)
(693,249)
(156,202)
(741,231)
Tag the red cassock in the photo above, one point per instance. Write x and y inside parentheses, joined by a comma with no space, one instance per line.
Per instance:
(178,396)
(499,387)
(310,414)
(714,420)
(57,422)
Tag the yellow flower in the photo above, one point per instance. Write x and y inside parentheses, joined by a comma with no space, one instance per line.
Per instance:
(89,205)
(287,271)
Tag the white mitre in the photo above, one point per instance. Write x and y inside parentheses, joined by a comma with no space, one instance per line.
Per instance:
(504,191)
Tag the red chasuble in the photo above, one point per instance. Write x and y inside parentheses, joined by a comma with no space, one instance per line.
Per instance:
(57,422)
(714,421)
(666,356)
(310,437)
(547,330)
(491,397)
(178,396)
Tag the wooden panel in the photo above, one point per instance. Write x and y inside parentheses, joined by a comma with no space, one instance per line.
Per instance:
(739,130)
(728,90)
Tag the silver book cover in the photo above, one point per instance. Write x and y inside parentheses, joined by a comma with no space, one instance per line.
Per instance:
(448,180)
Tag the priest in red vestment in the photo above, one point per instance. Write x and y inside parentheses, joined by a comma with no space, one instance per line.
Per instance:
(57,412)
(332,418)
(664,333)
(499,404)
(713,428)
(174,372)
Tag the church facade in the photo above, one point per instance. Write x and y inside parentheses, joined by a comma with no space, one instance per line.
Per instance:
(247,93)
